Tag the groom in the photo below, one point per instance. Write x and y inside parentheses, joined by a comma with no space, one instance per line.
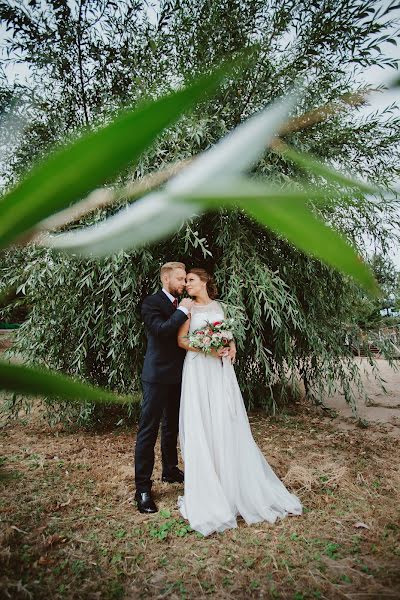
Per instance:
(161,380)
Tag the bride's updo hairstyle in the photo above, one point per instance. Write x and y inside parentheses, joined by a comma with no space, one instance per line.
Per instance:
(208,279)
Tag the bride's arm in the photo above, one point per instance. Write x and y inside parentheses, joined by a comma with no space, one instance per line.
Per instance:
(232,351)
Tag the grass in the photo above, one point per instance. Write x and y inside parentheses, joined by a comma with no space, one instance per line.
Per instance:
(70,528)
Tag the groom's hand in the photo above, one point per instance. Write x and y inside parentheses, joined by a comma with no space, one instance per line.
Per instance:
(186,303)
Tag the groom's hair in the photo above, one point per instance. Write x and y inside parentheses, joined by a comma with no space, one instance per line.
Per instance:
(170,266)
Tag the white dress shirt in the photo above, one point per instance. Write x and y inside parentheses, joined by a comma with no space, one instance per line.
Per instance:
(172,298)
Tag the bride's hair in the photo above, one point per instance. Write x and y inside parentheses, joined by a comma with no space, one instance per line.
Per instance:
(208,279)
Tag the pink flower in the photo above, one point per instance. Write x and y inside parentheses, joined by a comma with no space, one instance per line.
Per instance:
(207,341)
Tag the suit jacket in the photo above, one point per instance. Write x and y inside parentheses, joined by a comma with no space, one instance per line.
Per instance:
(163,361)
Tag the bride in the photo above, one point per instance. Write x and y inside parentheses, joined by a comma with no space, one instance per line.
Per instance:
(226,474)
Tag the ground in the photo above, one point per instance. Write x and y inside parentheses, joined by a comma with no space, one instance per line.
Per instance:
(70,529)
(380,405)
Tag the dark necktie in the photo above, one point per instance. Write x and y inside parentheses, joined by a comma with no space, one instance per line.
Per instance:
(175,302)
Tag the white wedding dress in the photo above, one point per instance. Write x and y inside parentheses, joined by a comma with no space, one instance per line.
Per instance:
(226,474)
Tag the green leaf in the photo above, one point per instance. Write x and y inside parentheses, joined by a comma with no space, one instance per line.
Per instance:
(395,83)
(313,165)
(39,382)
(7,294)
(285,211)
(155,215)
(69,174)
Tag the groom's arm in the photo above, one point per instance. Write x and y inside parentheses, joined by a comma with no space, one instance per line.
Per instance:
(155,321)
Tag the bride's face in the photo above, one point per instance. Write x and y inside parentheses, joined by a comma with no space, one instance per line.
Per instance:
(194,285)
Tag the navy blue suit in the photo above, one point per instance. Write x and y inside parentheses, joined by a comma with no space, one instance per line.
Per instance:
(161,380)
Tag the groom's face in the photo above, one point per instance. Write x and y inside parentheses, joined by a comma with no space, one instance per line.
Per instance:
(177,282)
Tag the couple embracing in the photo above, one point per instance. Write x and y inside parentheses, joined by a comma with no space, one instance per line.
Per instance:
(197,394)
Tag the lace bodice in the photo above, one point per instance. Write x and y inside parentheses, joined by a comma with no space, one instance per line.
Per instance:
(200,314)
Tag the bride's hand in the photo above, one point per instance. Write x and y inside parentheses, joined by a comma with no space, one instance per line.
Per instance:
(216,353)
(232,353)
(220,353)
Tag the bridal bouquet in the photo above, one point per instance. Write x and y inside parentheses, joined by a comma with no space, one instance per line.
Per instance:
(213,335)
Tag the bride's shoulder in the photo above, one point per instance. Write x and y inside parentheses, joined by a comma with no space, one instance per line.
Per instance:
(221,305)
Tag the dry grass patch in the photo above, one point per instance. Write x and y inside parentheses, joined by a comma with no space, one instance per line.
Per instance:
(70,528)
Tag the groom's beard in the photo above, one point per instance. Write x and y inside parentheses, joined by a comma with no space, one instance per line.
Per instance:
(177,292)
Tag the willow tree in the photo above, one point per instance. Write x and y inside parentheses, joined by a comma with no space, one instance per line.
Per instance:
(293,312)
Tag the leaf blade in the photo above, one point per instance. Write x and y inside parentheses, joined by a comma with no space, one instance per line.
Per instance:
(286,213)
(35,381)
(72,172)
(155,216)
(311,164)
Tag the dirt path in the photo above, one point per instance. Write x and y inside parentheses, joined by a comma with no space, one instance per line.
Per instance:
(378,407)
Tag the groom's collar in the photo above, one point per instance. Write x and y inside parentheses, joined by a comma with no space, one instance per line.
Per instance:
(170,296)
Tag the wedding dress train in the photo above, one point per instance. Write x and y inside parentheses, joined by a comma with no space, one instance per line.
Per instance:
(226,474)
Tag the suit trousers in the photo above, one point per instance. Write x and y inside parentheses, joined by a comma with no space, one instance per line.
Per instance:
(160,404)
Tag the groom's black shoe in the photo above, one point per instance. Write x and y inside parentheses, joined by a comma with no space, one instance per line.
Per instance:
(145,502)
(174,476)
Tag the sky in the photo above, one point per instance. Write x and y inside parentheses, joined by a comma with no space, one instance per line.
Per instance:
(372,75)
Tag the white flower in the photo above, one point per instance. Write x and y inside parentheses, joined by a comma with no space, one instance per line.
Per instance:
(227,334)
